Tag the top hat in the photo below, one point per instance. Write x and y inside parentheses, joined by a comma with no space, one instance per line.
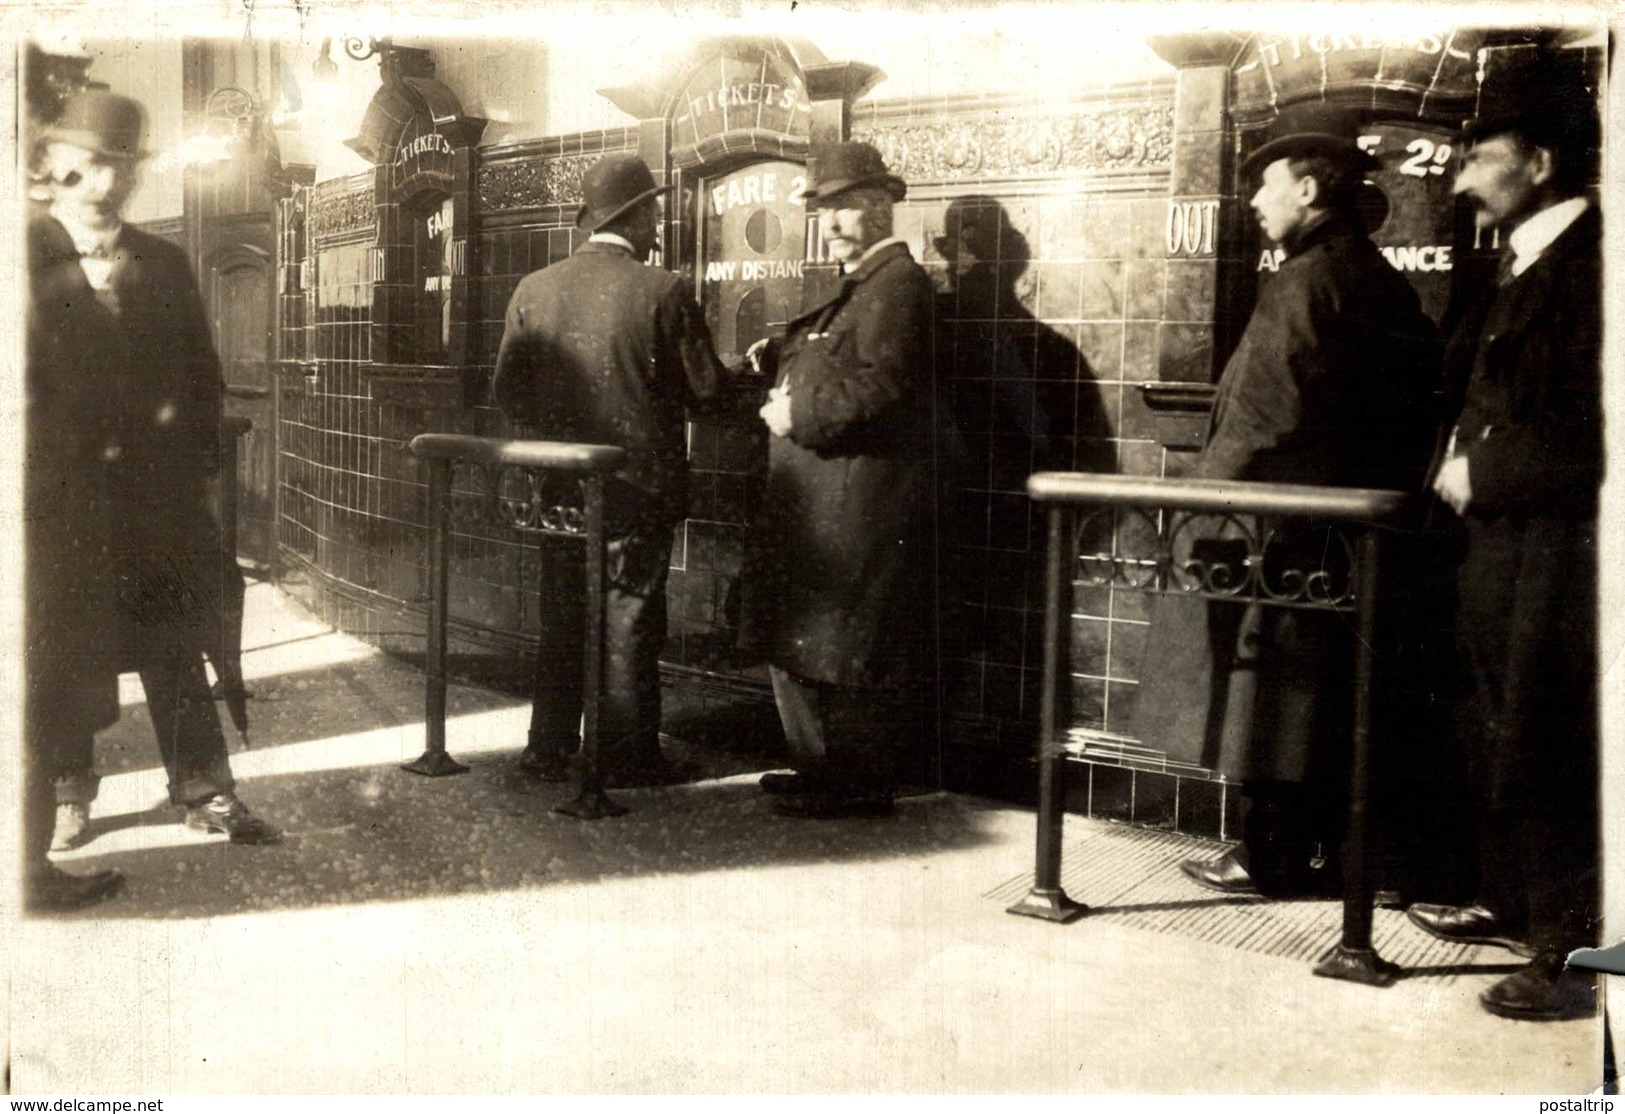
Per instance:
(102,122)
(1309,129)
(838,167)
(611,186)
(1544,101)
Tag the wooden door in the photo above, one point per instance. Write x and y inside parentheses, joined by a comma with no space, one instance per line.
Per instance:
(241,300)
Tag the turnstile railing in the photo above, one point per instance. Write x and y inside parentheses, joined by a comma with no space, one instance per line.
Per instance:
(1173,514)
(534,512)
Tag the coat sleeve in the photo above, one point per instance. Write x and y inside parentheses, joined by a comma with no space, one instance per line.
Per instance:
(890,361)
(513,383)
(1261,392)
(1550,458)
(687,353)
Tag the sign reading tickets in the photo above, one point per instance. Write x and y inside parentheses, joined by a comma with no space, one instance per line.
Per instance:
(1440,66)
(753,86)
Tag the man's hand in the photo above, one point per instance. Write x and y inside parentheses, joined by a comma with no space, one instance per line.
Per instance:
(776,412)
(1454,485)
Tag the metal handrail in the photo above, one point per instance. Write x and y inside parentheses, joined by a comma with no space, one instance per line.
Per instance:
(1364,512)
(1339,504)
(441,453)
(554,456)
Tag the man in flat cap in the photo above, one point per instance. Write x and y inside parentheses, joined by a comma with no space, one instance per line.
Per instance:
(1522,468)
(1332,383)
(601,348)
(123,388)
(836,598)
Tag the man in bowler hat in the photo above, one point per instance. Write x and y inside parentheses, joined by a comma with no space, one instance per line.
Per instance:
(833,598)
(601,348)
(123,438)
(1332,383)
(1522,467)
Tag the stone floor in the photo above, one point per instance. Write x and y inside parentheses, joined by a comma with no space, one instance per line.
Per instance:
(457,935)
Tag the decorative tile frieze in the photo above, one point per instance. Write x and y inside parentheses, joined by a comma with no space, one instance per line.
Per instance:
(339,215)
(1133,138)
(531,183)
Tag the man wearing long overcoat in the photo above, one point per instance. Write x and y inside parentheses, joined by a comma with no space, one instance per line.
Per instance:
(602,348)
(1333,383)
(1523,468)
(116,323)
(837,596)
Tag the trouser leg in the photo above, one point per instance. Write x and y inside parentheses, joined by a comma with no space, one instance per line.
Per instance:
(851,737)
(634,636)
(190,740)
(39,801)
(1291,830)
(799,713)
(636,568)
(75,779)
(555,717)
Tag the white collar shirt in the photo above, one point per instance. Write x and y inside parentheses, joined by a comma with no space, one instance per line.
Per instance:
(1537,233)
(95,249)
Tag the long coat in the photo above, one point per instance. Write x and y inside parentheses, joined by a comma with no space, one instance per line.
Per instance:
(1334,382)
(120,530)
(1527,369)
(600,348)
(837,586)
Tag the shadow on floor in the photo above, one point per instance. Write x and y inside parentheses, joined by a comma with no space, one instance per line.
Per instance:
(378,834)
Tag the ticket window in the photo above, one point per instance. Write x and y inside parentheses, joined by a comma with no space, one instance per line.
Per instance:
(432,248)
(754,239)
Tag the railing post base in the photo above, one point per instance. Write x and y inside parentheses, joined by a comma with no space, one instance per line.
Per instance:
(592,804)
(1361,965)
(435,763)
(1049,905)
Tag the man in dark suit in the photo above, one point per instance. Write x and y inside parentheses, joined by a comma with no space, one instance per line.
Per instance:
(1523,469)
(119,348)
(1332,383)
(834,598)
(601,348)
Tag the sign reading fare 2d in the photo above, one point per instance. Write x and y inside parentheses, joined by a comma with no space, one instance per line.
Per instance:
(752,86)
(755,239)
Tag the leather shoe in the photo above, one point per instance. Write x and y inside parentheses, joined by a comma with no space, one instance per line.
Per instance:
(1465,924)
(834,806)
(1225,875)
(787,785)
(1543,991)
(226,814)
(56,891)
(72,818)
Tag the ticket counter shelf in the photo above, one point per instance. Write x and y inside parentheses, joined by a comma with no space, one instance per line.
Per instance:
(1173,511)
(442,454)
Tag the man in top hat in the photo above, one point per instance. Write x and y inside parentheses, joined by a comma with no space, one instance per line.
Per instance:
(834,599)
(1522,468)
(124,564)
(1332,383)
(601,348)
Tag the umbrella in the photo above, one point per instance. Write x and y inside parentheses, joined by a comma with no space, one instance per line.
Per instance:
(226,655)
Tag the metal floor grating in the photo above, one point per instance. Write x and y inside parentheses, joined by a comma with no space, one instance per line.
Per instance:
(1132,876)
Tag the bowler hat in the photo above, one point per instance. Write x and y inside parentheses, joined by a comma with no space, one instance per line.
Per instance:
(838,167)
(1545,102)
(611,186)
(102,122)
(1309,129)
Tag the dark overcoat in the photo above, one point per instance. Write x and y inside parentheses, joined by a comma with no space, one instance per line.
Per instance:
(138,363)
(838,586)
(1531,428)
(1334,382)
(601,349)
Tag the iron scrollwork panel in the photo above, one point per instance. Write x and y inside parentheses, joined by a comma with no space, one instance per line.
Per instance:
(534,501)
(1242,557)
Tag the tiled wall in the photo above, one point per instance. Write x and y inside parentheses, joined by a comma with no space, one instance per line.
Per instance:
(1055,300)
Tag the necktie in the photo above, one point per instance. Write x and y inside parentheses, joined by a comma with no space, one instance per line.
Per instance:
(1503,269)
